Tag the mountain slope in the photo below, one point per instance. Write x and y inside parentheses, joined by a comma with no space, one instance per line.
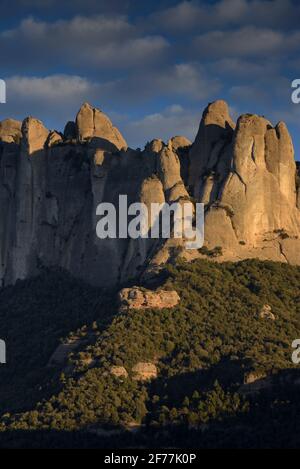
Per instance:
(221,367)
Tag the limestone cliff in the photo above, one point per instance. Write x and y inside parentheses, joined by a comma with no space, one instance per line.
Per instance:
(51,184)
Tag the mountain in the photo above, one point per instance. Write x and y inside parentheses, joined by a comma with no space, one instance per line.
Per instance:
(139,342)
(51,184)
(213,370)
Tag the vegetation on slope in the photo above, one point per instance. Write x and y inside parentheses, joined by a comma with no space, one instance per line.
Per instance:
(204,349)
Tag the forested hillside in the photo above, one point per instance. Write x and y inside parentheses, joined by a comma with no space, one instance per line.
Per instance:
(225,376)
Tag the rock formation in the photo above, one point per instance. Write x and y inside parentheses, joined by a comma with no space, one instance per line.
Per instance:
(137,298)
(10,131)
(246,177)
(92,124)
(266,313)
(119,371)
(51,184)
(144,371)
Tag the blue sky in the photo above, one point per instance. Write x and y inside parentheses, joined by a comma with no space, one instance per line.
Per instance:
(152,66)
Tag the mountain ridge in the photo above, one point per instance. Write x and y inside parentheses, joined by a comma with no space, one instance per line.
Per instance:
(51,184)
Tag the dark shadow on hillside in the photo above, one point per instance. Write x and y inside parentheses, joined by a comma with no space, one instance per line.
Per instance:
(35,315)
(227,372)
(271,422)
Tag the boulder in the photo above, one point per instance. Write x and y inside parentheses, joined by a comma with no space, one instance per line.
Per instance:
(266,313)
(119,371)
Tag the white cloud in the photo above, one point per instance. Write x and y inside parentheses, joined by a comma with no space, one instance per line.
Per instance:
(56,99)
(245,42)
(101,41)
(173,120)
(47,89)
(58,93)
(187,79)
(248,93)
(192,15)
(181,17)
(42,7)
(53,99)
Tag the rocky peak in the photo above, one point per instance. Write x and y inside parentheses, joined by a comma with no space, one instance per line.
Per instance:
(214,137)
(91,123)
(34,135)
(10,131)
(179,142)
(245,174)
(155,146)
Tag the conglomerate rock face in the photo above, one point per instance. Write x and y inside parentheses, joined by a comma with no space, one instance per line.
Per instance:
(246,176)
(137,298)
(52,183)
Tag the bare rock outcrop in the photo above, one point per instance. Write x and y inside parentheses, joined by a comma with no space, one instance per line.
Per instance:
(255,382)
(266,313)
(137,298)
(119,371)
(144,371)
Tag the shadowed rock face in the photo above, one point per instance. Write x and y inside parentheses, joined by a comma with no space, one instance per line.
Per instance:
(51,184)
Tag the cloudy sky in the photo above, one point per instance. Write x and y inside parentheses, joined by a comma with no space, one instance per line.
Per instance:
(152,66)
